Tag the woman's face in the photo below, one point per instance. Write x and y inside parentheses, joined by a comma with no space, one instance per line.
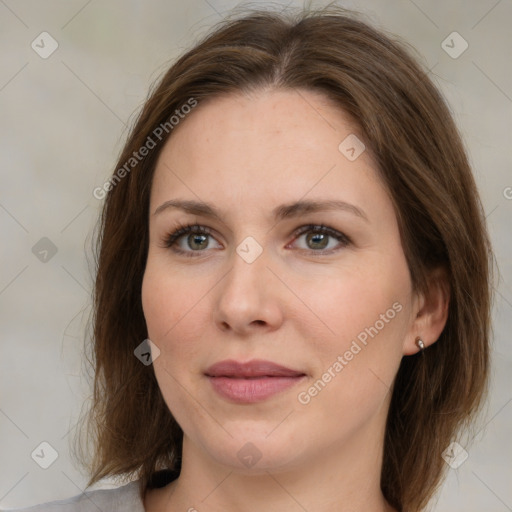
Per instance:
(335,308)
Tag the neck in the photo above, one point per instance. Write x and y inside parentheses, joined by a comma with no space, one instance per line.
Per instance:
(346,478)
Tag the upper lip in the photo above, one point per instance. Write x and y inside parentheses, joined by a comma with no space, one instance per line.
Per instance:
(254,368)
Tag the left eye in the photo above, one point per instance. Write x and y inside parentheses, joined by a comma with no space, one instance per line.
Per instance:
(317,238)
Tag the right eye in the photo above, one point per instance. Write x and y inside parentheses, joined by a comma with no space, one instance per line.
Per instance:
(196,241)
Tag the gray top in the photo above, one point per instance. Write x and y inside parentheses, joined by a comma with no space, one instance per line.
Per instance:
(125,498)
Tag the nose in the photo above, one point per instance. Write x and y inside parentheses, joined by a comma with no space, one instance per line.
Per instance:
(250,298)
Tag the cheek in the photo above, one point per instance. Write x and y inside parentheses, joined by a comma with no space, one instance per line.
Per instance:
(171,309)
(367,311)
(169,315)
(369,314)
(164,301)
(347,302)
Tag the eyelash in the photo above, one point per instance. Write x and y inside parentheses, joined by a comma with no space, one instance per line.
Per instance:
(171,239)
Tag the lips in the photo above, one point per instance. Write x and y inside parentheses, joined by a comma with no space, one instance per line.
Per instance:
(253,381)
(251,369)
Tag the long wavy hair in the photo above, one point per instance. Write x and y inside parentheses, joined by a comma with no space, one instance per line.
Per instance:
(405,122)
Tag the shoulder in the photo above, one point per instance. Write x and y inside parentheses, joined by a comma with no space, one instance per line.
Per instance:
(126,497)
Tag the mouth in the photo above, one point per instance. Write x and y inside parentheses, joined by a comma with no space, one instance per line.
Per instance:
(253,381)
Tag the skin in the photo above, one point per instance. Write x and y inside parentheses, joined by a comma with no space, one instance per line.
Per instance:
(298,304)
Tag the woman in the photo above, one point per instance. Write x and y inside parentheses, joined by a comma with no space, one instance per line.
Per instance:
(293,292)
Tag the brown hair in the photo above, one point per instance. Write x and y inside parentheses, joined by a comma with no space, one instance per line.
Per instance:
(420,156)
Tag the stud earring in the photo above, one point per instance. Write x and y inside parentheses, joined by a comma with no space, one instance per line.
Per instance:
(420,344)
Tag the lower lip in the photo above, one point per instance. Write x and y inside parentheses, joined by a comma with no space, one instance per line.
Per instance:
(252,390)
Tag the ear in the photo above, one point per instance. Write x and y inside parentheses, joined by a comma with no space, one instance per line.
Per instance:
(430,311)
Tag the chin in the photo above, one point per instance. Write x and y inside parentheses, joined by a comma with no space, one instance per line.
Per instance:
(251,458)
(255,448)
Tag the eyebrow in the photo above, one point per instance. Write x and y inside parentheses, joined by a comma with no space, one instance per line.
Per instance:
(284,211)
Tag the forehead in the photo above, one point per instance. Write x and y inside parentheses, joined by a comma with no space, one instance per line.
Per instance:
(304,118)
(267,146)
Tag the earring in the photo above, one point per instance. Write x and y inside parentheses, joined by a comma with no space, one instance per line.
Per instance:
(420,344)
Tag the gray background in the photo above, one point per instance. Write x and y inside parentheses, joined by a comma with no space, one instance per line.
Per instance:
(63,121)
